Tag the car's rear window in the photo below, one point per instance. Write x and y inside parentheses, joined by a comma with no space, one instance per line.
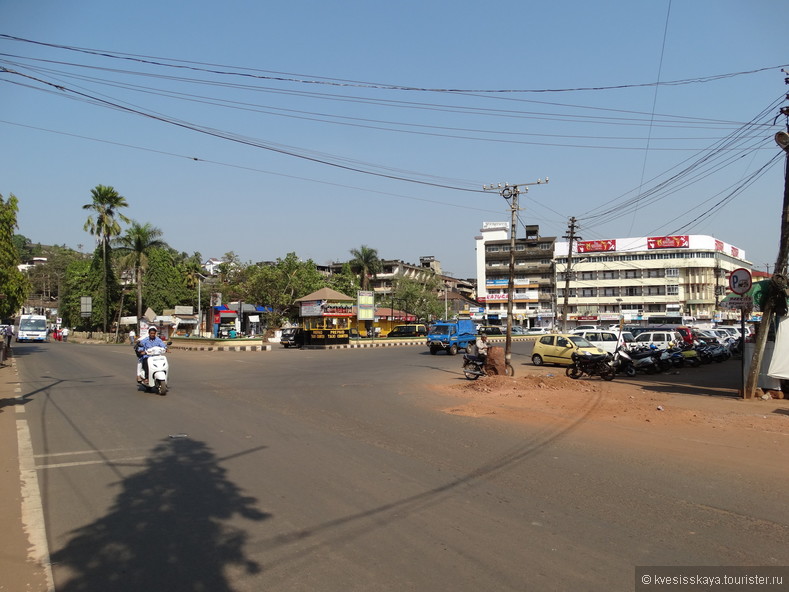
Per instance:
(580,341)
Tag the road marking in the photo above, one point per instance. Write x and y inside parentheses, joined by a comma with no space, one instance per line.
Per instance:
(78,452)
(32,508)
(91,462)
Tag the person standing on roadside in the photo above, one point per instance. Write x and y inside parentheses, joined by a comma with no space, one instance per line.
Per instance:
(132,337)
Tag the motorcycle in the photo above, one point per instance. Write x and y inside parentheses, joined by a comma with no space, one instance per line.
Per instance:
(158,369)
(473,368)
(591,365)
(623,363)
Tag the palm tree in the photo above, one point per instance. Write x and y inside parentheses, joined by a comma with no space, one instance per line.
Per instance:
(105,205)
(366,263)
(135,245)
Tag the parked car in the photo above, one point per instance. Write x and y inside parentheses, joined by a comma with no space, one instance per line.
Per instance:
(408,331)
(518,330)
(605,340)
(559,348)
(659,338)
(490,330)
(537,331)
(587,328)
(292,337)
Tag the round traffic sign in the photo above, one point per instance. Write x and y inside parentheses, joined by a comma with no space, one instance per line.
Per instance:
(740,281)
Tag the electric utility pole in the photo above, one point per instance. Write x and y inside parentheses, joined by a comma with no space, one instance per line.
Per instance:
(571,237)
(778,281)
(510,193)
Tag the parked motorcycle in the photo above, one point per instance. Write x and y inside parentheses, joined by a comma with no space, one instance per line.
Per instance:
(591,365)
(473,368)
(158,370)
(623,363)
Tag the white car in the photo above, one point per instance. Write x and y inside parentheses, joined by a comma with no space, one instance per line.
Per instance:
(606,340)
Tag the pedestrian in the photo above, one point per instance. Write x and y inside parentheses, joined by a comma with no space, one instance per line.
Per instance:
(65,333)
(9,333)
(132,336)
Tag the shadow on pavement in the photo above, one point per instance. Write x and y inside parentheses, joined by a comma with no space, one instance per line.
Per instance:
(167,530)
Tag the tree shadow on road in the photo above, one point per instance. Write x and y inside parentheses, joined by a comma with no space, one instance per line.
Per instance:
(167,530)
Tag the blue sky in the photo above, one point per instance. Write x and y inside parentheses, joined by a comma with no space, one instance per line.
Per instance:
(316,127)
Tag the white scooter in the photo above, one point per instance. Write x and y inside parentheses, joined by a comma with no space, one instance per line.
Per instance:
(158,369)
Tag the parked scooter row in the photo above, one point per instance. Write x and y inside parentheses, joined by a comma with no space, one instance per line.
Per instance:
(650,359)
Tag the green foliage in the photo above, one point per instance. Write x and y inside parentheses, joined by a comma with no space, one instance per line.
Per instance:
(419,298)
(366,263)
(163,286)
(345,282)
(74,287)
(24,246)
(102,284)
(134,248)
(47,279)
(279,285)
(14,285)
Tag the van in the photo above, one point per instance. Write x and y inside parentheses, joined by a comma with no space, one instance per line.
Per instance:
(408,331)
(606,340)
(659,338)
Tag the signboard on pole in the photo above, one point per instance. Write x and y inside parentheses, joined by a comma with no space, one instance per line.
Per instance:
(365,305)
(740,281)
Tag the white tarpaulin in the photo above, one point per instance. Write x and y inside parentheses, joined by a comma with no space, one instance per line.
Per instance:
(779,364)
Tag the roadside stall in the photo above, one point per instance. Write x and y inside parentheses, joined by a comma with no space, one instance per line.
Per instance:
(326,316)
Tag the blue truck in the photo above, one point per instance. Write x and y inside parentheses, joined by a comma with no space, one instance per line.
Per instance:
(451,336)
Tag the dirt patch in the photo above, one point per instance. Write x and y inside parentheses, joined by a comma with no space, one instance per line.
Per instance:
(697,399)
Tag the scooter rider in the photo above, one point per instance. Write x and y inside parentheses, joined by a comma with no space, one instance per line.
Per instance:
(152,340)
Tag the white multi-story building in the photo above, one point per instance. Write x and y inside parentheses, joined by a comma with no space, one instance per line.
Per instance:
(533,278)
(639,277)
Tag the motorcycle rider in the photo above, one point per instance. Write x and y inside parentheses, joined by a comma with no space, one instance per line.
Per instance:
(479,349)
(152,340)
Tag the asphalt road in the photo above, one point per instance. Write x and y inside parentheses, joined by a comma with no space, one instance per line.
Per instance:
(337,471)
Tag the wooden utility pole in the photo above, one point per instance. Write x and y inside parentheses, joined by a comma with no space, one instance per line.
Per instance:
(571,237)
(510,193)
(782,139)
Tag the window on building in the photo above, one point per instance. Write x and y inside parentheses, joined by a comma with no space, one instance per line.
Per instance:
(654,273)
(587,275)
(610,275)
(672,272)
(672,290)
(632,274)
(610,291)
(633,291)
(588,292)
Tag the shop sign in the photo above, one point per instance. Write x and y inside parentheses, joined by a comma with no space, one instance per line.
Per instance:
(311,308)
(337,309)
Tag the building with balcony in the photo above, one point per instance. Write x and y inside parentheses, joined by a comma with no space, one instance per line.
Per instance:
(685,276)
(534,277)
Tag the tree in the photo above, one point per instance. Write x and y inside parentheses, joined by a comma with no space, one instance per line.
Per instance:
(164,285)
(13,283)
(279,285)
(418,298)
(344,282)
(366,264)
(75,286)
(105,206)
(135,246)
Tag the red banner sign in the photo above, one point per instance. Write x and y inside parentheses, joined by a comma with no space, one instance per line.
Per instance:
(596,246)
(668,242)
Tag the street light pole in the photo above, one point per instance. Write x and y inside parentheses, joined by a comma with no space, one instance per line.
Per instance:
(510,193)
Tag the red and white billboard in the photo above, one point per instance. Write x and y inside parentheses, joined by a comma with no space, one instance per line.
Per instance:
(668,242)
(596,246)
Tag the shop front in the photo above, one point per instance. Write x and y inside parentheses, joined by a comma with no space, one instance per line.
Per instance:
(325,316)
